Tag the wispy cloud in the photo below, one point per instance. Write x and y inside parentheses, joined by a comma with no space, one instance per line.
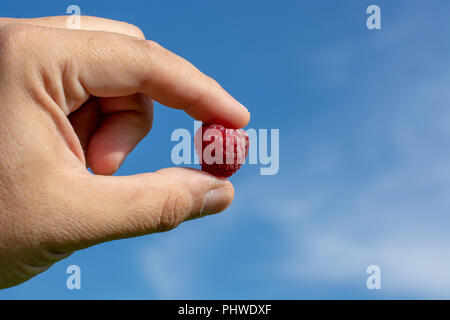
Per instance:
(396,213)
(372,190)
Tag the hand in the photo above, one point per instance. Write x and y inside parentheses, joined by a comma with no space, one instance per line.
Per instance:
(72,99)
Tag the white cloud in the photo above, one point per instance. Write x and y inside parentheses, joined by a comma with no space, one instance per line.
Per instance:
(333,220)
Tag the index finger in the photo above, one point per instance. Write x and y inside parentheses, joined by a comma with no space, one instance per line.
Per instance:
(173,81)
(111,65)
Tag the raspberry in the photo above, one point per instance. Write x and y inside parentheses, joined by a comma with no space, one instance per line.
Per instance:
(221,151)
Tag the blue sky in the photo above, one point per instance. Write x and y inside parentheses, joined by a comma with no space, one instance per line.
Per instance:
(364,160)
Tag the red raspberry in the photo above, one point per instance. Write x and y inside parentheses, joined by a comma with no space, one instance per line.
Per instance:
(222,151)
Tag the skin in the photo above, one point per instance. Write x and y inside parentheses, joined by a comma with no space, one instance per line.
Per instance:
(73,99)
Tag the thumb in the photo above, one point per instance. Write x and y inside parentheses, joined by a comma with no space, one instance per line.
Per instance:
(103,208)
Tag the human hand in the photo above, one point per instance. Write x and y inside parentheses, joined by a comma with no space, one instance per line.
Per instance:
(72,99)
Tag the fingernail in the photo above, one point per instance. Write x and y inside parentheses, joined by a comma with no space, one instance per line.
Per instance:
(215,201)
(243,107)
(119,163)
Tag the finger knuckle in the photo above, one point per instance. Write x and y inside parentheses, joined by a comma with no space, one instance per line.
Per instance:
(13,31)
(151,50)
(175,207)
(147,50)
(135,31)
(212,83)
(152,45)
(12,39)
